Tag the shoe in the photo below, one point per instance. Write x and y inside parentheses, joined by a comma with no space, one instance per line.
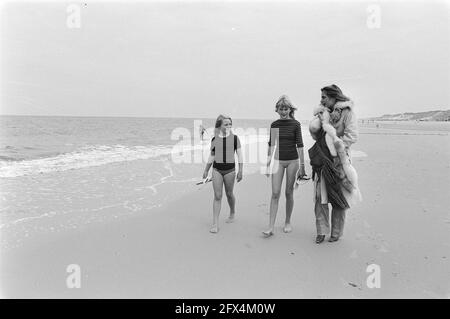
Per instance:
(333,239)
(320,239)
(267,234)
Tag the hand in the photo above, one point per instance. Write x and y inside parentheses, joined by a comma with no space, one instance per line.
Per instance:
(301,172)
(205,174)
(267,170)
(318,110)
(326,116)
(239,176)
(320,116)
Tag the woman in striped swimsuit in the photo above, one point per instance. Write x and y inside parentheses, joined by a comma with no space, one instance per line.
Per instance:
(286,136)
(224,145)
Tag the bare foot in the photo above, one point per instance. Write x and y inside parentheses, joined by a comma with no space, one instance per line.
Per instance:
(214,229)
(287,228)
(230,219)
(268,232)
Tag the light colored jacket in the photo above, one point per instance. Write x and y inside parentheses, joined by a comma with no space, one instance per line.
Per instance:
(344,120)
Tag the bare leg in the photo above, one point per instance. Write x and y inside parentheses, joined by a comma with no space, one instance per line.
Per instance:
(228,180)
(291,171)
(277,179)
(217,181)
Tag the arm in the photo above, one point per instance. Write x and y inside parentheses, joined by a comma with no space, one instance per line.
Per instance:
(270,154)
(301,156)
(272,143)
(351,130)
(316,122)
(271,148)
(211,158)
(241,164)
(299,144)
(208,165)
(269,159)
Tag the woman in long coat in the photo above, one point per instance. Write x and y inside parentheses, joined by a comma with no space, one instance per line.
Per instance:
(343,119)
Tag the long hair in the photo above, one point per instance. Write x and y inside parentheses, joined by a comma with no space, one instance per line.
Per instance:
(219,122)
(335,92)
(285,102)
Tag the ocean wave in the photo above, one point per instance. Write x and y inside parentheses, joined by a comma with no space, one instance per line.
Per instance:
(97,155)
(87,156)
(7,158)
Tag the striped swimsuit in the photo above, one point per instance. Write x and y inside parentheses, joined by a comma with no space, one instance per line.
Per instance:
(287,135)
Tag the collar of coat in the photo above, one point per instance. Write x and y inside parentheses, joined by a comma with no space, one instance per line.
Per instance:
(344,104)
(338,106)
(335,116)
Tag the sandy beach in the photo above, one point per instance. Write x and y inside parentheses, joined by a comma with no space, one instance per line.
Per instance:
(402,225)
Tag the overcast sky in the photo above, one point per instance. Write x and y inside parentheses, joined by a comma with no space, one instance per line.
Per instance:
(199,59)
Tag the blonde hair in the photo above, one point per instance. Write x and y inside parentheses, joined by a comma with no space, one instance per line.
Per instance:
(284,101)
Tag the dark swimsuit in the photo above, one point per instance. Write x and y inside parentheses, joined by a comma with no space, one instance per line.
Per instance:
(225,172)
(224,153)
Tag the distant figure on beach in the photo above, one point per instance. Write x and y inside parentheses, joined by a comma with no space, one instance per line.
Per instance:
(202,131)
(335,181)
(224,146)
(286,137)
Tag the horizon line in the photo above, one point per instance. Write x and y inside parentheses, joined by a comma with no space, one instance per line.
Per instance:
(125,116)
(189,117)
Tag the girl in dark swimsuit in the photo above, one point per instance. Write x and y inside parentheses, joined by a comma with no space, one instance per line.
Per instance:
(224,145)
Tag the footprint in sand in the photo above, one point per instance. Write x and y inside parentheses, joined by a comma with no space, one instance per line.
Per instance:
(348,283)
(380,244)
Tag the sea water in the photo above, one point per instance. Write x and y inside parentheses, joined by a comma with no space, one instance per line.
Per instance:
(65,172)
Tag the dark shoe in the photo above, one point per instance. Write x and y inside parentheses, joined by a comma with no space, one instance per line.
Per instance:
(333,239)
(320,239)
